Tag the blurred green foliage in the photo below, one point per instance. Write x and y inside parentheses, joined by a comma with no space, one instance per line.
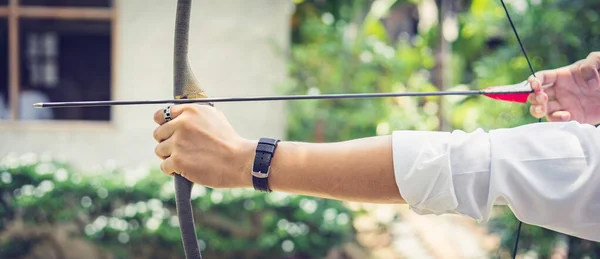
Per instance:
(346,47)
(131,214)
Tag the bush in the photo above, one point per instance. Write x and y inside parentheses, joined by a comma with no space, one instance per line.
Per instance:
(48,208)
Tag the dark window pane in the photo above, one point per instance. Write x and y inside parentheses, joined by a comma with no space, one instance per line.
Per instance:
(4,112)
(68,3)
(65,60)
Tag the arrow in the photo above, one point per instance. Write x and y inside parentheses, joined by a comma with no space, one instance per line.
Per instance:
(509,93)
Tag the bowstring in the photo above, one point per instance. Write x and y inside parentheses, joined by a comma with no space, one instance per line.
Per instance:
(512,25)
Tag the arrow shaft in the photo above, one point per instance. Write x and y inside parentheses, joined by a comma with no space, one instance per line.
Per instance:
(270,98)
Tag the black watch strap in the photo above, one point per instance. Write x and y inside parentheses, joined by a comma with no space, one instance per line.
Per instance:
(262,163)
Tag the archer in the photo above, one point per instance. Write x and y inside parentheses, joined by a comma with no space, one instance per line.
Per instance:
(535,168)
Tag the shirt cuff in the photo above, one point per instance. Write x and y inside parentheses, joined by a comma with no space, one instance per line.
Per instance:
(423,171)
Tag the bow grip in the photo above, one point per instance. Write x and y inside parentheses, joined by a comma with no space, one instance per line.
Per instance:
(183,200)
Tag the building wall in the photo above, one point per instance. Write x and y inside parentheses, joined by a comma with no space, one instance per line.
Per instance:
(237,48)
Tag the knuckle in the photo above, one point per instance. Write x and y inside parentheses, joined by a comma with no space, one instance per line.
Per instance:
(178,143)
(188,125)
(178,161)
(155,134)
(157,116)
(193,111)
(594,56)
(190,108)
(181,122)
(201,108)
(158,152)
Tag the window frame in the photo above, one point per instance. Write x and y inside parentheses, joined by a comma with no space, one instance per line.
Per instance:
(13,12)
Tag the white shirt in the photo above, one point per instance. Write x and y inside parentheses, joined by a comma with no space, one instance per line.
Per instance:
(547,173)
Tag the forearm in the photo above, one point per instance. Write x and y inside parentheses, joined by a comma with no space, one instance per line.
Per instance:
(357,170)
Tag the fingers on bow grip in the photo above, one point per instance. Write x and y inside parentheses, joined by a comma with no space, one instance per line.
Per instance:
(173,111)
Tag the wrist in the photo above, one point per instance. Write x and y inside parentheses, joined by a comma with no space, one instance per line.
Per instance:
(247,153)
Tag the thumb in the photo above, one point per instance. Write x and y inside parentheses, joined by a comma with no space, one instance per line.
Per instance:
(560,116)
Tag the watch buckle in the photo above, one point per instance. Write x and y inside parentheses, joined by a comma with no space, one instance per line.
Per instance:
(260,174)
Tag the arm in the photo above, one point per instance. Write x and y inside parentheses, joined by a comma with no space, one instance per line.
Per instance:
(547,173)
(357,170)
(537,169)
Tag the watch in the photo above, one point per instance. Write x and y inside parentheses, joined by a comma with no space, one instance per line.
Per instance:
(262,163)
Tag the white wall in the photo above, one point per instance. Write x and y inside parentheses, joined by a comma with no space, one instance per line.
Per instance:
(237,48)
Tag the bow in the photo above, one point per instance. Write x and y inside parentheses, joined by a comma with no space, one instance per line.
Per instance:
(185,86)
(512,25)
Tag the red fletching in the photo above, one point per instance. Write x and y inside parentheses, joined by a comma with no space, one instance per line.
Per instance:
(517,98)
(498,92)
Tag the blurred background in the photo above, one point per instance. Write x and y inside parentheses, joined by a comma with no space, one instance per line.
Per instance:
(84,182)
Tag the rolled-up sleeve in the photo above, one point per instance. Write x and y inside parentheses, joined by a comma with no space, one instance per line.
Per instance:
(547,173)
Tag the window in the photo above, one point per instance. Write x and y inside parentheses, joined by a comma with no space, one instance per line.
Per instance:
(57,50)
(42,60)
(3,67)
(67,3)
